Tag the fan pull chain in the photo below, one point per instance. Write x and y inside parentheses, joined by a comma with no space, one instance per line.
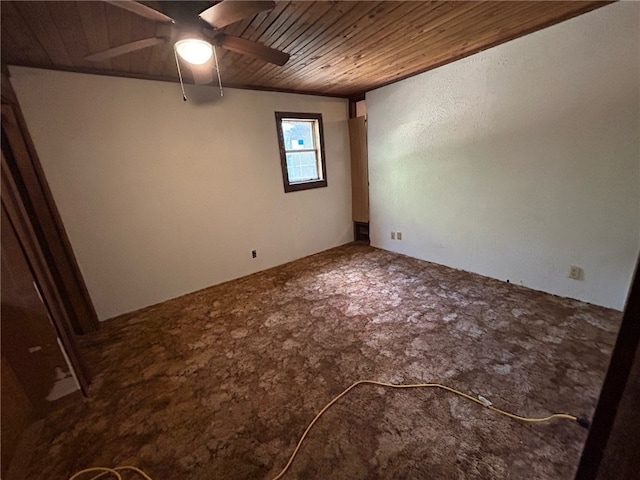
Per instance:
(215,56)
(184,95)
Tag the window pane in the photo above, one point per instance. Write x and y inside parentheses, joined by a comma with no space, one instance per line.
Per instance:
(302,167)
(301,146)
(298,134)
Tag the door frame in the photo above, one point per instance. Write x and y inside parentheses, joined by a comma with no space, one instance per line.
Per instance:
(51,298)
(32,212)
(41,213)
(602,434)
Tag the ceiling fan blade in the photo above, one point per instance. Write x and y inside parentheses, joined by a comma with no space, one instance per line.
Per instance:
(202,74)
(126,48)
(142,10)
(229,11)
(248,47)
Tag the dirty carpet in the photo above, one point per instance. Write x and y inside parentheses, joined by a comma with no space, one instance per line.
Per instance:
(220,384)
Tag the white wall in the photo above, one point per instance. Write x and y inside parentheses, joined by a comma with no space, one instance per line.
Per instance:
(519,161)
(161,197)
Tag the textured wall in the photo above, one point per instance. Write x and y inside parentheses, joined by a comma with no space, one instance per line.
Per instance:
(519,161)
(162,197)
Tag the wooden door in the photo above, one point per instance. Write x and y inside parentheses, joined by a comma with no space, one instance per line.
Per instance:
(17,212)
(359,170)
(32,362)
(29,340)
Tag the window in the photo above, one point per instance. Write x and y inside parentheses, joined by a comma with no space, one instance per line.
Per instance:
(301,150)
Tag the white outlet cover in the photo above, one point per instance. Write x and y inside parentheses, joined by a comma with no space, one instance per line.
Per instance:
(575,272)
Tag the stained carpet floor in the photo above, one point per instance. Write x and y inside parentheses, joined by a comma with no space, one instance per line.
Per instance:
(219,384)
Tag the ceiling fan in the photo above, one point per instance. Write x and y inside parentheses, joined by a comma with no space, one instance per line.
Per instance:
(194,35)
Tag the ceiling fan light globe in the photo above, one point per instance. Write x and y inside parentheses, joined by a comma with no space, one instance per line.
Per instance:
(194,50)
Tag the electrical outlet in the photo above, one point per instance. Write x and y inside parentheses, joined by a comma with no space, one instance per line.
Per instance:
(393,235)
(254,254)
(399,235)
(575,273)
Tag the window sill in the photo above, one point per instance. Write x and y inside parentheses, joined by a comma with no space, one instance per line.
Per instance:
(296,187)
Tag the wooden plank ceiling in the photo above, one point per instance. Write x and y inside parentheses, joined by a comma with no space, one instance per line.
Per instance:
(337,48)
